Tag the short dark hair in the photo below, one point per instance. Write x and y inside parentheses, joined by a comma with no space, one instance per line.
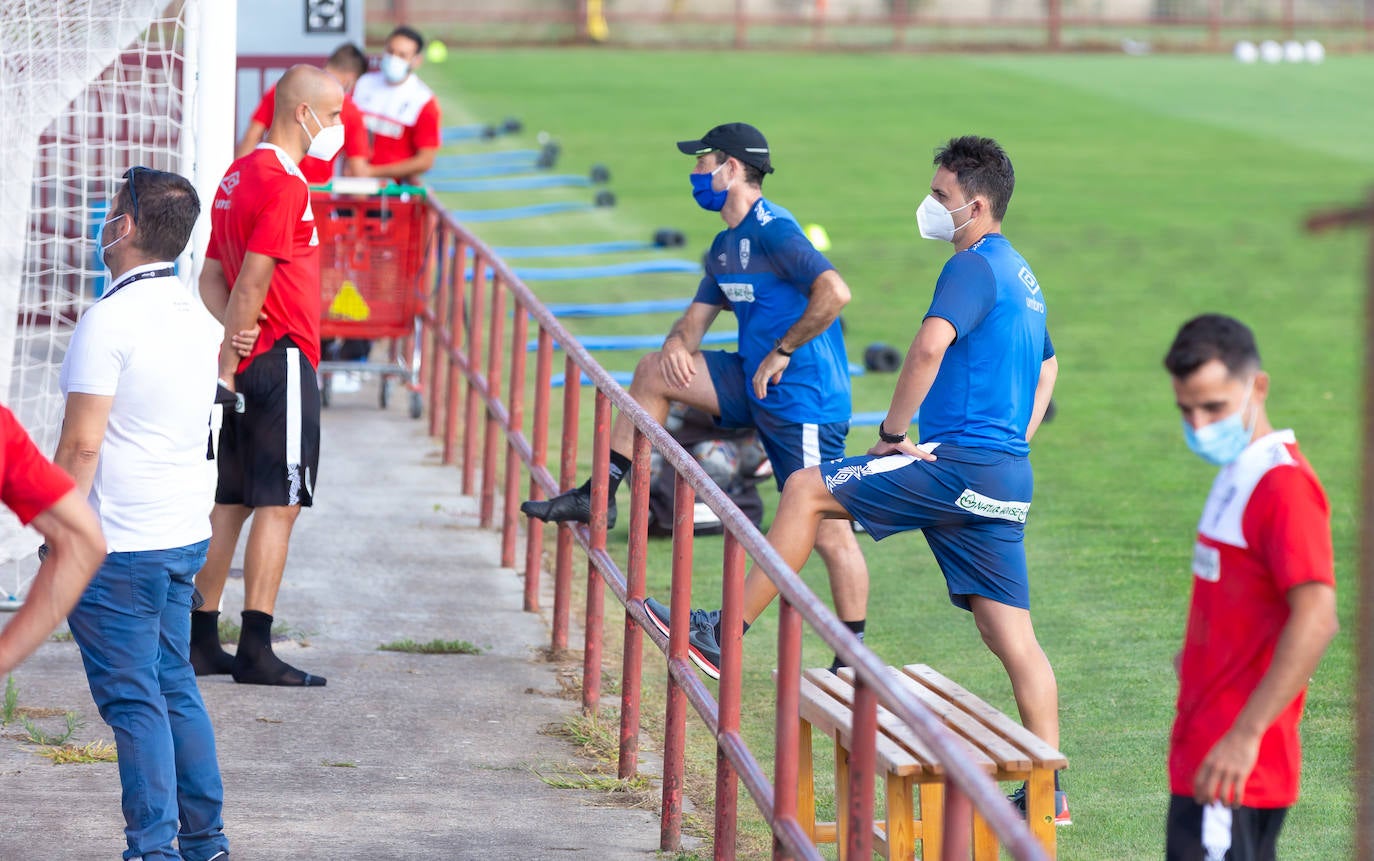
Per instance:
(168,207)
(981,167)
(410,33)
(1213,336)
(348,57)
(752,175)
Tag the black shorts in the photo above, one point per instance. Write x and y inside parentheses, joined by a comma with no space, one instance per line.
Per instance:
(1239,834)
(270,454)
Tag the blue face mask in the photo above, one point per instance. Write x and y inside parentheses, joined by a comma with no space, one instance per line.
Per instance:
(706,197)
(1222,441)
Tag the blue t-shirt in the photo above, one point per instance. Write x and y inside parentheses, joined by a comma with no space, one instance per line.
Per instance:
(762,270)
(984,393)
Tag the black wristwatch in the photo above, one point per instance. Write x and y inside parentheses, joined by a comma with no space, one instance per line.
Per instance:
(777,347)
(890,438)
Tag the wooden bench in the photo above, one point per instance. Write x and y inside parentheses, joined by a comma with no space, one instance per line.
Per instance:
(1003,748)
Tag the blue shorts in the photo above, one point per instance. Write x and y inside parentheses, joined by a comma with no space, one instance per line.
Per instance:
(790,445)
(970,503)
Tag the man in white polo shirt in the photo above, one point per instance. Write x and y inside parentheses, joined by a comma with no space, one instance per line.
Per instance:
(400,111)
(139,378)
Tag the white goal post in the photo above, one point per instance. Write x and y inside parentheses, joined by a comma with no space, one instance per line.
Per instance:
(89,88)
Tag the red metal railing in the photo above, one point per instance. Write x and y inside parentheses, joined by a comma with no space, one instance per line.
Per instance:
(467,323)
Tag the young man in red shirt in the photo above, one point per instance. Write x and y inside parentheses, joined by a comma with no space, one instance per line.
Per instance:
(263,265)
(345,65)
(400,112)
(1263,606)
(44,497)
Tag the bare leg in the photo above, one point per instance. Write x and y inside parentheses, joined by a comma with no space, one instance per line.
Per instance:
(264,558)
(848,570)
(805,502)
(652,392)
(226,522)
(1011,637)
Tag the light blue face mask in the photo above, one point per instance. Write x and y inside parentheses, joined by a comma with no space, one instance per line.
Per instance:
(706,197)
(1222,441)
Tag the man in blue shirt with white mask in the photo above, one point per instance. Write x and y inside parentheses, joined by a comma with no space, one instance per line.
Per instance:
(789,378)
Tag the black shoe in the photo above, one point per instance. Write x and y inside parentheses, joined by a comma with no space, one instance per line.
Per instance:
(569,506)
(661,616)
(1061,805)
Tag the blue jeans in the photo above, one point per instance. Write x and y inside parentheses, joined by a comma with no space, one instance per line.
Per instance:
(133,625)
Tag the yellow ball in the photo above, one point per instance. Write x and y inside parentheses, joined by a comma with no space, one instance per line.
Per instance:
(437,52)
(818,237)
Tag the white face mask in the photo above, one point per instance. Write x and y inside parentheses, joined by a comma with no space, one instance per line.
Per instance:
(936,222)
(106,246)
(325,145)
(395,69)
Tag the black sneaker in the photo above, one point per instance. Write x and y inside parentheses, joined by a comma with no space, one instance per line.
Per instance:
(569,506)
(702,646)
(1061,805)
(660,615)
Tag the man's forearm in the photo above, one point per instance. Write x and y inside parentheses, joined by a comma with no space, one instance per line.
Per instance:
(241,314)
(405,169)
(829,295)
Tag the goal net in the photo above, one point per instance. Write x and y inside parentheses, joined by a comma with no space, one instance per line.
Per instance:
(88,88)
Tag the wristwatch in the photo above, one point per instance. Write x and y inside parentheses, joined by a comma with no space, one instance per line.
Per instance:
(777,346)
(890,438)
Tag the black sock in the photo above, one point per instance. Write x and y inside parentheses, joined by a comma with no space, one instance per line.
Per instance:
(745,631)
(858,629)
(619,471)
(256,663)
(208,657)
(1056,780)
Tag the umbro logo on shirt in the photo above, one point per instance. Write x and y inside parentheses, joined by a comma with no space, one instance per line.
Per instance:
(229,183)
(1029,280)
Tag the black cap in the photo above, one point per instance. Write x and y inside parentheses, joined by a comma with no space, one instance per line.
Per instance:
(740,140)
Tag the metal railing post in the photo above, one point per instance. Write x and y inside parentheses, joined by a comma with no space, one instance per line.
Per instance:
(862,770)
(728,708)
(437,338)
(637,562)
(492,428)
(534,529)
(516,419)
(787,724)
(457,325)
(567,475)
(595,629)
(474,373)
(675,711)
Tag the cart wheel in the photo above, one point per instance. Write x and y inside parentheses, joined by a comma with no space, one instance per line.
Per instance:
(326,387)
(384,391)
(417,405)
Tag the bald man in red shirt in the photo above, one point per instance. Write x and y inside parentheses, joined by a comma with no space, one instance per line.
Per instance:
(263,266)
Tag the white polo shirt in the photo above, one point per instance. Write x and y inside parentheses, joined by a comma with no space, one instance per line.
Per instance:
(145,344)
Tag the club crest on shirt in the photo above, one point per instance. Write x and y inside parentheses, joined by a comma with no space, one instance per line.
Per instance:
(744,253)
(720,258)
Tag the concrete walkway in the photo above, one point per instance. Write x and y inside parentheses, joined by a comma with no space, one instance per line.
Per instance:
(402,756)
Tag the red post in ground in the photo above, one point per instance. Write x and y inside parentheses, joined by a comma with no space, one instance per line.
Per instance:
(637,562)
(534,529)
(675,717)
(457,321)
(435,339)
(787,721)
(492,435)
(728,708)
(474,324)
(567,477)
(958,824)
(515,401)
(863,756)
(594,633)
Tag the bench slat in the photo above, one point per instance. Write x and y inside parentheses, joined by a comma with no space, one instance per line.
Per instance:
(1007,756)
(841,687)
(820,708)
(1039,751)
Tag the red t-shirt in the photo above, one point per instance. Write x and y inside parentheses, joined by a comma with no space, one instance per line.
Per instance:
(1266,528)
(318,171)
(263,205)
(402,120)
(32,484)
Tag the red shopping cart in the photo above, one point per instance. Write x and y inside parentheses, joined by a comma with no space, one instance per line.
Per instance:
(372,287)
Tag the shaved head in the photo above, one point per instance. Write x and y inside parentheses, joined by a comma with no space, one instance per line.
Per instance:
(304,85)
(307,100)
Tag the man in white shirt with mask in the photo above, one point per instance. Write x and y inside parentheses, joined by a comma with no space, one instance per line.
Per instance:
(400,111)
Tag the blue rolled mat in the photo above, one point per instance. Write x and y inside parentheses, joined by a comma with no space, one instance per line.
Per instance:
(514,183)
(634,342)
(512,252)
(467,159)
(609,270)
(874,419)
(618,309)
(477,171)
(622,377)
(469,131)
(533,210)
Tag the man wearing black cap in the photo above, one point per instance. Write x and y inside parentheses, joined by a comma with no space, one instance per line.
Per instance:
(789,378)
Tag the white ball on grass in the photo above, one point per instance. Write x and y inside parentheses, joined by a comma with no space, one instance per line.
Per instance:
(1315,51)
(1246,52)
(1271,51)
(1293,52)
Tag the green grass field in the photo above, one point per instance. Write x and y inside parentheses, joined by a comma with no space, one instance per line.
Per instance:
(1150,189)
